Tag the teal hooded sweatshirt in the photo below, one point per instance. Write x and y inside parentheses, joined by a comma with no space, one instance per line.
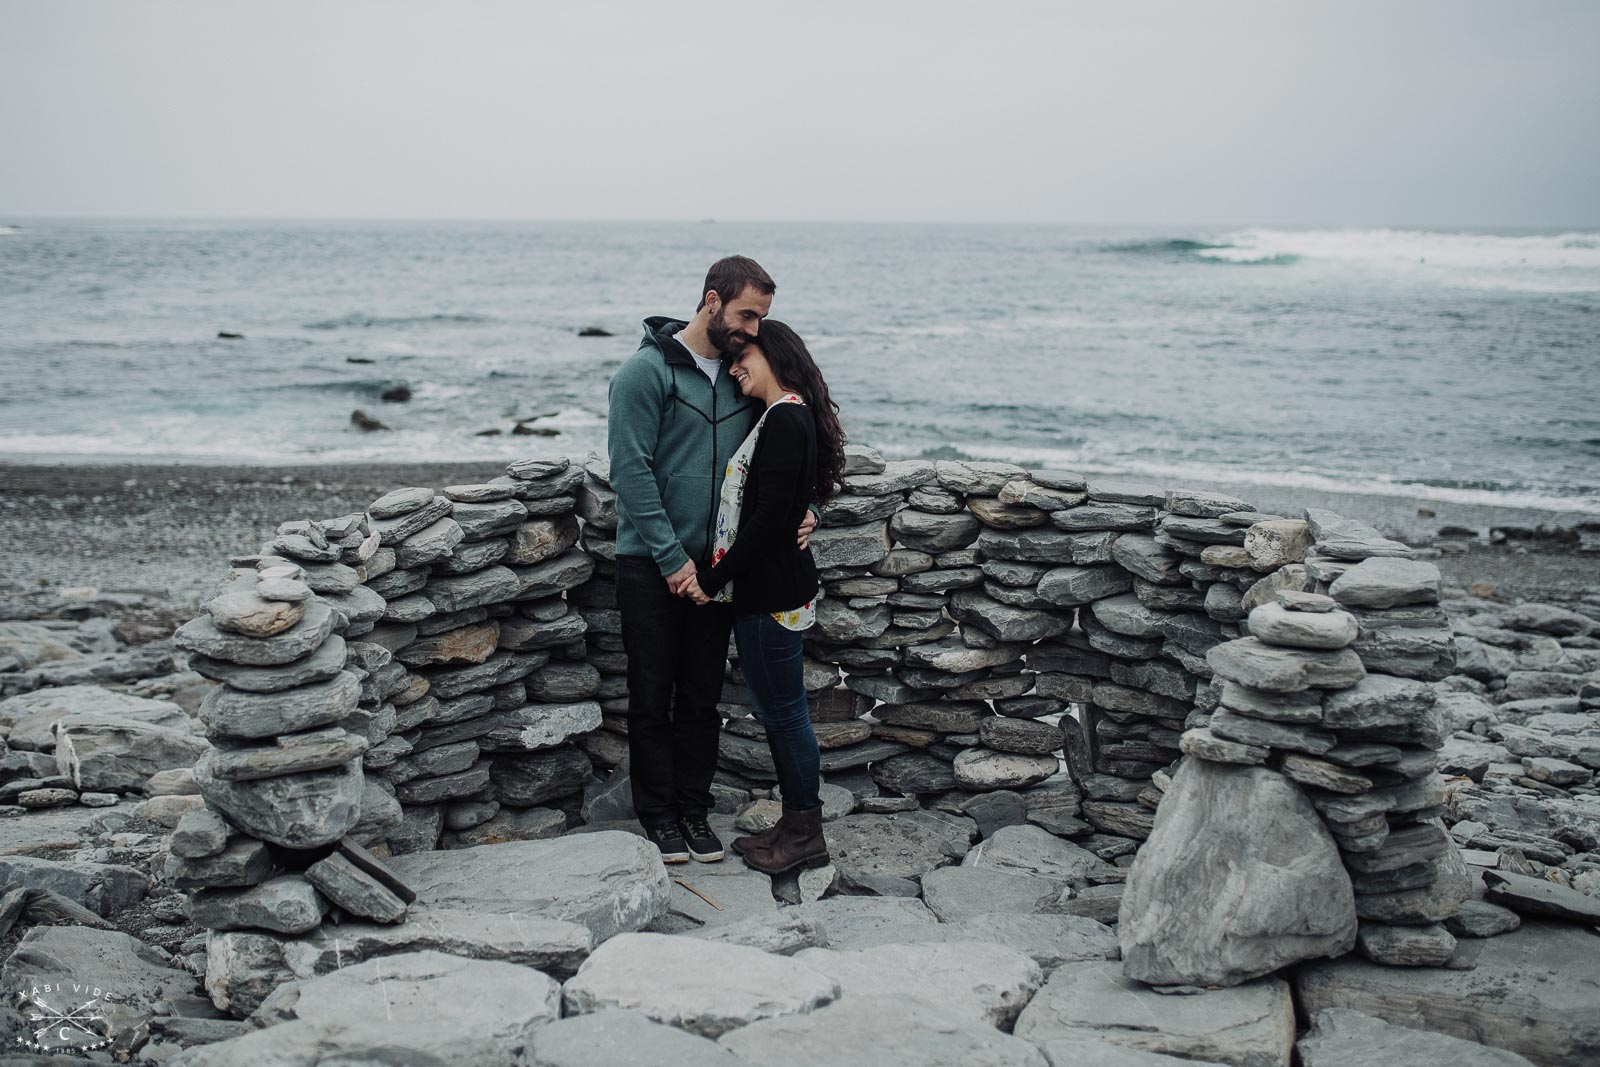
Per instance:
(671,433)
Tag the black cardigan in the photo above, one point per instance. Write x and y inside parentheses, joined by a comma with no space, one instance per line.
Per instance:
(773,573)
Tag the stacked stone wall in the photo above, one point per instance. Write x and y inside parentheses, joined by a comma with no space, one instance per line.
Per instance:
(446,668)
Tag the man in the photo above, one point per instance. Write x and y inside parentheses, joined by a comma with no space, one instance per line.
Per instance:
(676,418)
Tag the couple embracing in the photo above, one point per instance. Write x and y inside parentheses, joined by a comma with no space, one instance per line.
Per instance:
(723,442)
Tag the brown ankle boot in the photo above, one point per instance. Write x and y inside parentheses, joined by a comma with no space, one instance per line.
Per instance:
(799,843)
(762,839)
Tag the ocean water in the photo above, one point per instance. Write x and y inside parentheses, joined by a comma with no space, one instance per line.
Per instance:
(1460,367)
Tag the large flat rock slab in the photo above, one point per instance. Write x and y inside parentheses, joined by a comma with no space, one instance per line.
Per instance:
(1340,1038)
(1239,877)
(611,882)
(622,1039)
(489,1003)
(889,854)
(885,1031)
(701,986)
(974,981)
(860,922)
(103,888)
(1250,1025)
(71,959)
(32,715)
(1533,991)
(243,967)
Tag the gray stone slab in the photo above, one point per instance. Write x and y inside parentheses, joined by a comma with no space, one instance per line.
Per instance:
(1532,992)
(1250,1025)
(715,987)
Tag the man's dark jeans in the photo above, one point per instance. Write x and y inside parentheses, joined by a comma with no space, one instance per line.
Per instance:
(773,663)
(676,655)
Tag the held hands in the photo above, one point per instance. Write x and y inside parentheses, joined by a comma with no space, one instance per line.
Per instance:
(683,582)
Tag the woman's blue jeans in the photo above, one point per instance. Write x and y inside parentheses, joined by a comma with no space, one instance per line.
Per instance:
(770,657)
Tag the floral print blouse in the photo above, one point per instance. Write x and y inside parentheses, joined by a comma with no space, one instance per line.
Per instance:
(732,503)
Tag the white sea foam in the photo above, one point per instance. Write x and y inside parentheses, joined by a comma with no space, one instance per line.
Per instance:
(1568,262)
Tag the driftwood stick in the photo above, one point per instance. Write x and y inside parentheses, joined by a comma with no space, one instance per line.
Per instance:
(697,893)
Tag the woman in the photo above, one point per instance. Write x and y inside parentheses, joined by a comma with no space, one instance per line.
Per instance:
(795,455)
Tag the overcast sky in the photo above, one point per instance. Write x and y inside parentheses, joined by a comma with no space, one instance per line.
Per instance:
(1449,113)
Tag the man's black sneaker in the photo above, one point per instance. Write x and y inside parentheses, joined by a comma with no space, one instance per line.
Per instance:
(704,845)
(669,840)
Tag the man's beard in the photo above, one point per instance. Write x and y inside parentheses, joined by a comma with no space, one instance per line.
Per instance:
(726,341)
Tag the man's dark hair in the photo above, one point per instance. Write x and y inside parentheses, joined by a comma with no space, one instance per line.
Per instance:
(730,276)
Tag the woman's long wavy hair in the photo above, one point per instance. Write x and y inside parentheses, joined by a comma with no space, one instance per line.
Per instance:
(793,366)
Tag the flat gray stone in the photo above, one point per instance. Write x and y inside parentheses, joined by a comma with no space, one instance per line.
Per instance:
(106,959)
(287,904)
(1276,625)
(1071,586)
(120,755)
(1034,851)
(399,502)
(982,769)
(201,635)
(609,881)
(230,712)
(886,1031)
(1405,946)
(715,987)
(616,1038)
(1049,940)
(1251,662)
(860,922)
(103,888)
(1383,582)
(299,811)
(1535,896)
(320,666)
(1378,700)
(890,853)
(494,1003)
(1003,622)
(1250,1025)
(1341,1038)
(1478,919)
(973,981)
(313,750)
(958,893)
(1531,992)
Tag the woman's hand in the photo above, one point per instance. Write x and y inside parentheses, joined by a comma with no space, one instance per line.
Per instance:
(691,589)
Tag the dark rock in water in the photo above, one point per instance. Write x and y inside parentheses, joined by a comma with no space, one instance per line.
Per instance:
(229,335)
(396,394)
(487,433)
(358,359)
(363,421)
(522,429)
(593,331)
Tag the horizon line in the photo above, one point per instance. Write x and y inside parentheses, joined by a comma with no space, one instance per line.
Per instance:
(710,220)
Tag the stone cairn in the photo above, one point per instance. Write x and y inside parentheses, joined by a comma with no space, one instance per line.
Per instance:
(446,669)
(1314,790)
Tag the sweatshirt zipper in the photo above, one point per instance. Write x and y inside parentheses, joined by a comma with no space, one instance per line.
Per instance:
(711,514)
